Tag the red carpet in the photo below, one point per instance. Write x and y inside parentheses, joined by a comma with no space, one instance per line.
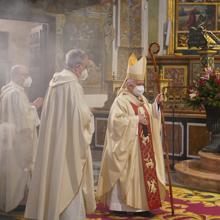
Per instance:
(189,204)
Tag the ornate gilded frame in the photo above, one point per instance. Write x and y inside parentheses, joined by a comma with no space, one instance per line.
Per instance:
(174,6)
(176,73)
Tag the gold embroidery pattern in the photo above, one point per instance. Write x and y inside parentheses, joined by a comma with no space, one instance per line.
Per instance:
(141,110)
(152,186)
(149,163)
(145,140)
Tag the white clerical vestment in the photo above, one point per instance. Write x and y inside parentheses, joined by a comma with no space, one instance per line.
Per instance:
(62,184)
(132,176)
(18,140)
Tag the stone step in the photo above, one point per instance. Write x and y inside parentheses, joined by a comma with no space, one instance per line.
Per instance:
(210,161)
(192,174)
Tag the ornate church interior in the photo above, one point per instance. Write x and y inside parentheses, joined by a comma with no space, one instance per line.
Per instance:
(180,42)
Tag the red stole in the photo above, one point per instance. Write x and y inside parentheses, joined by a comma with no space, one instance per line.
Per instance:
(148,162)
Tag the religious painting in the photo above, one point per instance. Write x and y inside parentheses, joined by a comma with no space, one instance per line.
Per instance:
(129,24)
(84,30)
(190,15)
(185,14)
(182,40)
(177,75)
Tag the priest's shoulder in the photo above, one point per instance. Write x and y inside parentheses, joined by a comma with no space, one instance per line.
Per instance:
(122,99)
(63,77)
(7,87)
(8,90)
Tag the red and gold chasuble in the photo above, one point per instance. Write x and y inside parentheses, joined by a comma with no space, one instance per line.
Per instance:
(148,160)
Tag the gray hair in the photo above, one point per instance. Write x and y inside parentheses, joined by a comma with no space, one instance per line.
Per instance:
(74,57)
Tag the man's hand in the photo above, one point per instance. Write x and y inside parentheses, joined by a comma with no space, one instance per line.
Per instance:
(159,99)
(38,102)
(142,119)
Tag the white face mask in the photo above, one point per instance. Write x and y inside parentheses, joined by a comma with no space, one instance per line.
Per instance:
(138,90)
(84,75)
(27,82)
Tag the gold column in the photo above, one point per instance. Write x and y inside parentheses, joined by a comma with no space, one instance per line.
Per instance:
(207,58)
(170,16)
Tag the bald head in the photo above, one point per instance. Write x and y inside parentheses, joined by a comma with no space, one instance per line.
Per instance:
(19,73)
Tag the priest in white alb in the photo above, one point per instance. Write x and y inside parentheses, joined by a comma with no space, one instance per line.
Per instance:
(132,176)
(18,138)
(62,183)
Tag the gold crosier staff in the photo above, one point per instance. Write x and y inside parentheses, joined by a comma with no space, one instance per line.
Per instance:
(154,48)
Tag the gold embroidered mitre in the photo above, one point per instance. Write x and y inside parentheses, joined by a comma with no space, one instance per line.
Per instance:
(136,68)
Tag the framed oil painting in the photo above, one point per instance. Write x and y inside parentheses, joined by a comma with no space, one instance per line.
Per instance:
(86,33)
(177,74)
(185,14)
(129,23)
